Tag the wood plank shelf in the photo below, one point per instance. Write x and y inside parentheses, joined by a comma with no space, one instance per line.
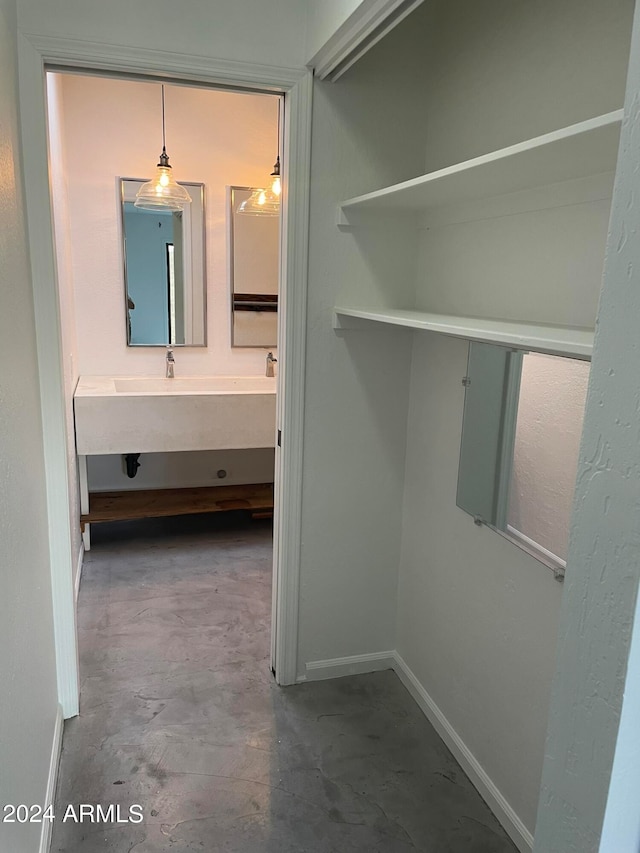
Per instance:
(157,503)
(578,151)
(554,340)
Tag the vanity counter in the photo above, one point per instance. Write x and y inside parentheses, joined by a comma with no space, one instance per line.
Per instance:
(150,414)
(109,386)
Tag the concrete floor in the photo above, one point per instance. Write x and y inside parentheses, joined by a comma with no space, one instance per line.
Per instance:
(180,714)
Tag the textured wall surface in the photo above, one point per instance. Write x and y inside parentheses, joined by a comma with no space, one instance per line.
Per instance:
(621,830)
(28,702)
(549,426)
(601,585)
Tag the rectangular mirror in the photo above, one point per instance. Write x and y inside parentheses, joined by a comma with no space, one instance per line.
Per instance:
(254,249)
(523,414)
(164,271)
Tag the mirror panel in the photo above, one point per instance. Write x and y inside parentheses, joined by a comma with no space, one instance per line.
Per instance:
(164,271)
(254,270)
(521,431)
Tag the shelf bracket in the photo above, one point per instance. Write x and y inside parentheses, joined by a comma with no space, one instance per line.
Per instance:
(342,220)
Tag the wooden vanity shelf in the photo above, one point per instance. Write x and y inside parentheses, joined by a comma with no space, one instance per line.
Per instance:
(156,503)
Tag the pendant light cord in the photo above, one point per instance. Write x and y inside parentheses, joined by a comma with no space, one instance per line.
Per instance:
(164,143)
(276,165)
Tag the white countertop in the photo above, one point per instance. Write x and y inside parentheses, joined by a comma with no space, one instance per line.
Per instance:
(153,386)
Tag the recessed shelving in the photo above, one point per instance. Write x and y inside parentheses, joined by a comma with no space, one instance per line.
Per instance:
(578,151)
(555,340)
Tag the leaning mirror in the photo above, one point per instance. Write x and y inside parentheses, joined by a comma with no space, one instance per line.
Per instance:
(523,414)
(254,242)
(164,271)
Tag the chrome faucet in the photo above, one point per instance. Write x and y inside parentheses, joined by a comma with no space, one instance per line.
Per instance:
(170,362)
(270,362)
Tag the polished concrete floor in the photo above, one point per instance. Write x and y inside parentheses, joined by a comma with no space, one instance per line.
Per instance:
(180,715)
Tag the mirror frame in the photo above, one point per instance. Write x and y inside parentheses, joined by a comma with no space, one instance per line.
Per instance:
(196,191)
(231,189)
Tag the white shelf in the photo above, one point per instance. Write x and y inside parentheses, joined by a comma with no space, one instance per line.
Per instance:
(581,150)
(555,340)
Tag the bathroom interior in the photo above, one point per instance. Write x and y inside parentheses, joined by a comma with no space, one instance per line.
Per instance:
(460,542)
(125,312)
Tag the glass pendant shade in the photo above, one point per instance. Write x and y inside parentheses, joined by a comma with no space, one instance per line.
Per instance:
(265,202)
(163,191)
(260,203)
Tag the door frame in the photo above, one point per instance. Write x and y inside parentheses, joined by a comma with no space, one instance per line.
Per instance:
(36,54)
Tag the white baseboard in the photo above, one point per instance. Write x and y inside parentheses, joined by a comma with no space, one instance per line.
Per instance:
(376,661)
(318,670)
(79,570)
(498,804)
(56,748)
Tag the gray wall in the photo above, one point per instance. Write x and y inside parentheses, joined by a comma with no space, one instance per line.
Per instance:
(28,703)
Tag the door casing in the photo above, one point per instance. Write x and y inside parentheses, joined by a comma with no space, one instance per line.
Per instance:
(36,55)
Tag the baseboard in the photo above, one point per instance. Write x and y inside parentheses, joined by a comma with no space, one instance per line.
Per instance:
(56,748)
(376,661)
(318,670)
(79,570)
(498,804)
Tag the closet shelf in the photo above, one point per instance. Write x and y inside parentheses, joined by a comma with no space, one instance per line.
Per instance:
(578,151)
(555,340)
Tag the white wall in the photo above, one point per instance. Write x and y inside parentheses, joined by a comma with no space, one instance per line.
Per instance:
(476,616)
(621,828)
(356,383)
(108,473)
(112,128)
(595,685)
(545,460)
(58,171)
(505,71)
(272,33)
(324,18)
(28,701)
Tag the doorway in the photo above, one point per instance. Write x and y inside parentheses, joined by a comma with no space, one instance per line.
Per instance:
(120,309)
(296,88)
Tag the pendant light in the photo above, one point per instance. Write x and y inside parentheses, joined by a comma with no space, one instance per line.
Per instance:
(163,192)
(266,202)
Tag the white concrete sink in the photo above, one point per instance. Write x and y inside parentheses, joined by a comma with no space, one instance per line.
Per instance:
(150,414)
(195,385)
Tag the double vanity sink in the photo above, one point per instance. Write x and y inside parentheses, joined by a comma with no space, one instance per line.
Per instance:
(149,414)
